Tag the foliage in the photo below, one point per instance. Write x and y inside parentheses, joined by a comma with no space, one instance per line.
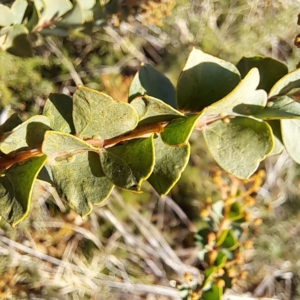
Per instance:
(235,120)
(223,237)
(24,21)
(87,145)
(261,109)
(17,88)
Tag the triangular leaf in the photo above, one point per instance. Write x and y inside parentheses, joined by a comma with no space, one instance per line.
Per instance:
(80,181)
(118,171)
(18,9)
(17,42)
(152,110)
(54,9)
(16,188)
(220,260)
(243,100)
(290,130)
(28,134)
(95,113)
(208,276)
(204,80)
(177,133)
(281,107)
(7,16)
(236,212)
(270,70)
(240,145)
(286,84)
(149,81)
(138,155)
(33,18)
(58,109)
(169,164)
(73,17)
(230,242)
(214,293)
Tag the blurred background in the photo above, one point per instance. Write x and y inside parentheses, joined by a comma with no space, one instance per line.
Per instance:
(140,246)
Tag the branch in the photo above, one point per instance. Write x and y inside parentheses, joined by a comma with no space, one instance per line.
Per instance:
(7,161)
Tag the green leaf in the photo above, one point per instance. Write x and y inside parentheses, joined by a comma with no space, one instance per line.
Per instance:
(270,70)
(80,181)
(7,16)
(270,113)
(16,189)
(220,260)
(278,143)
(236,212)
(243,100)
(16,41)
(58,144)
(33,19)
(281,107)
(169,164)
(152,110)
(58,109)
(208,276)
(54,9)
(29,134)
(149,81)
(12,122)
(138,155)
(18,9)
(204,80)
(118,171)
(290,130)
(221,237)
(229,241)
(178,132)
(95,113)
(214,293)
(87,4)
(73,17)
(240,145)
(286,84)
(39,4)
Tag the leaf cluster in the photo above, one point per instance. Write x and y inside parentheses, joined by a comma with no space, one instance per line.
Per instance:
(25,21)
(223,238)
(86,145)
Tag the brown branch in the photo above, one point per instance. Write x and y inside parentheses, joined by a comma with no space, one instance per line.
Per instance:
(7,161)
(135,133)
